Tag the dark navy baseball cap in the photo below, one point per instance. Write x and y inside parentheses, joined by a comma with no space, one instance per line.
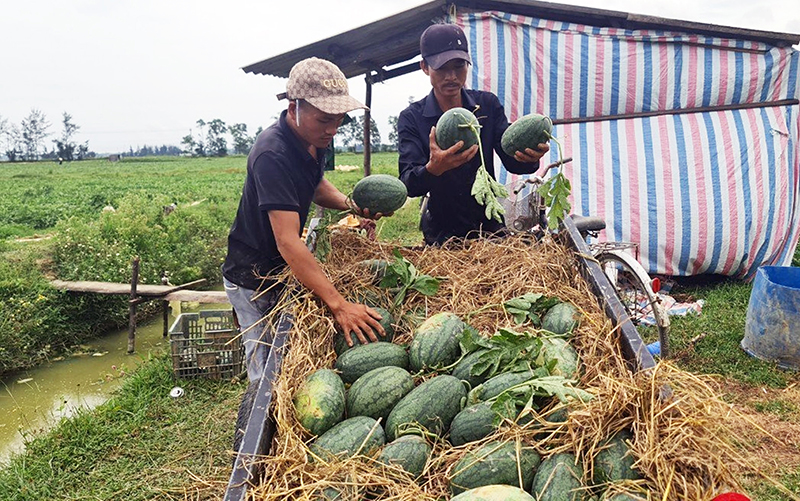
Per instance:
(441,43)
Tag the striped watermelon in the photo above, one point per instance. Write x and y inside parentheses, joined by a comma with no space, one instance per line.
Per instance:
(320,402)
(432,405)
(526,132)
(565,356)
(356,435)
(463,368)
(498,384)
(496,462)
(377,392)
(356,362)
(435,343)
(387,322)
(379,193)
(559,478)
(457,124)
(472,423)
(614,462)
(409,452)
(627,496)
(562,318)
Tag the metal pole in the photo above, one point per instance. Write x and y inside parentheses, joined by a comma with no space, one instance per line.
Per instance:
(367,122)
(132,307)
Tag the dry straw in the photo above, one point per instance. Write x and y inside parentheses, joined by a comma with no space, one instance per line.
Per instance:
(681,442)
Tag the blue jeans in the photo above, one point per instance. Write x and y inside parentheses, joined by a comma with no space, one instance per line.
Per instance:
(251,312)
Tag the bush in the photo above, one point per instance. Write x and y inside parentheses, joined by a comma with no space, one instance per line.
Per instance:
(37,320)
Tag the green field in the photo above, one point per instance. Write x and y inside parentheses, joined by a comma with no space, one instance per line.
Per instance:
(127,439)
(56,222)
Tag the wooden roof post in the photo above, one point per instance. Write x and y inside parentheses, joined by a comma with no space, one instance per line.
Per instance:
(367,122)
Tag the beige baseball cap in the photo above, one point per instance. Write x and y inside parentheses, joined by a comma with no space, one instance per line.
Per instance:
(322,84)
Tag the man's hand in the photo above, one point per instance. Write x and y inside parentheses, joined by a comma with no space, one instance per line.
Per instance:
(360,320)
(358,211)
(531,155)
(442,161)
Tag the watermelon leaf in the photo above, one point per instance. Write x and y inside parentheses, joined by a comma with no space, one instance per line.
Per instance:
(522,395)
(403,275)
(508,350)
(426,285)
(529,307)
(471,340)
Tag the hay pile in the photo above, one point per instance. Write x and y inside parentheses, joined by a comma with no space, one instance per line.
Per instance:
(681,443)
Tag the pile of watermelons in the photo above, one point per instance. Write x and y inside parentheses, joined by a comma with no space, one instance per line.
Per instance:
(391,402)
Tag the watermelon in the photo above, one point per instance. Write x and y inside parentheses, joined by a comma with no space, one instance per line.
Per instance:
(376,268)
(386,321)
(626,496)
(361,359)
(431,405)
(472,423)
(545,418)
(562,318)
(496,462)
(435,342)
(380,194)
(565,357)
(494,493)
(614,462)
(356,435)
(320,402)
(409,452)
(377,392)
(559,478)
(338,493)
(498,384)
(464,367)
(457,124)
(526,132)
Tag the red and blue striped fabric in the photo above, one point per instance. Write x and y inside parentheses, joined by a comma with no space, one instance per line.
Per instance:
(707,192)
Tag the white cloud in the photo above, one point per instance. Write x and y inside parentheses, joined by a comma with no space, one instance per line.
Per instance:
(142,72)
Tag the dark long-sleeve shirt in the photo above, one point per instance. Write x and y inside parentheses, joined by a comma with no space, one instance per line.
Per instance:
(452,210)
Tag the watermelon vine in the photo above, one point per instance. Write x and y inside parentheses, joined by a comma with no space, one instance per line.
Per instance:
(555,191)
(485,189)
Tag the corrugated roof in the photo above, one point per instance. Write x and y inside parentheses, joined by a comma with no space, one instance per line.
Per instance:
(395,39)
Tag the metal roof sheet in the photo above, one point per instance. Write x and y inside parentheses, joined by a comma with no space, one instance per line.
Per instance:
(395,39)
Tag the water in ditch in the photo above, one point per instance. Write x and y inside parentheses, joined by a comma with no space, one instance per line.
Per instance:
(33,401)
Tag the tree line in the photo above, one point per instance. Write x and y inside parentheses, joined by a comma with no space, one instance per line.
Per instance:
(27,141)
(210,139)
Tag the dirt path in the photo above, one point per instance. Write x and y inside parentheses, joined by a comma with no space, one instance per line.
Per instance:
(771,419)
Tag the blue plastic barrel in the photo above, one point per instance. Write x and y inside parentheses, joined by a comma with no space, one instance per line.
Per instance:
(772,328)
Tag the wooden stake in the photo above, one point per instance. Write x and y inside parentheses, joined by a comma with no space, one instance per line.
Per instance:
(165,312)
(132,307)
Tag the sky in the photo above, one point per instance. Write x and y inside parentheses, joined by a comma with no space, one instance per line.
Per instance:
(134,73)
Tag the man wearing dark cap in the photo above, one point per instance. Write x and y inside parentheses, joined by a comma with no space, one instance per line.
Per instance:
(284,176)
(447,175)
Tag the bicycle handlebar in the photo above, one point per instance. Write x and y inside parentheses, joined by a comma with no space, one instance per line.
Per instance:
(537,180)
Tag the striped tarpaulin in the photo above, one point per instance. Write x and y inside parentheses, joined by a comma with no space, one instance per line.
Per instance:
(700,192)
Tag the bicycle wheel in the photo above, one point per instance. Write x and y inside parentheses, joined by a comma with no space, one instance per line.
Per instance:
(633,286)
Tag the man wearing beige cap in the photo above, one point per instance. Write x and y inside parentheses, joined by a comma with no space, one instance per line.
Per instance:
(284,176)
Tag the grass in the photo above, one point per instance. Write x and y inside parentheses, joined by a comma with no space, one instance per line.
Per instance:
(718,332)
(140,445)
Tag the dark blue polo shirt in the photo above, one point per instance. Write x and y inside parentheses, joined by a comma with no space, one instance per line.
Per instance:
(281,175)
(452,210)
